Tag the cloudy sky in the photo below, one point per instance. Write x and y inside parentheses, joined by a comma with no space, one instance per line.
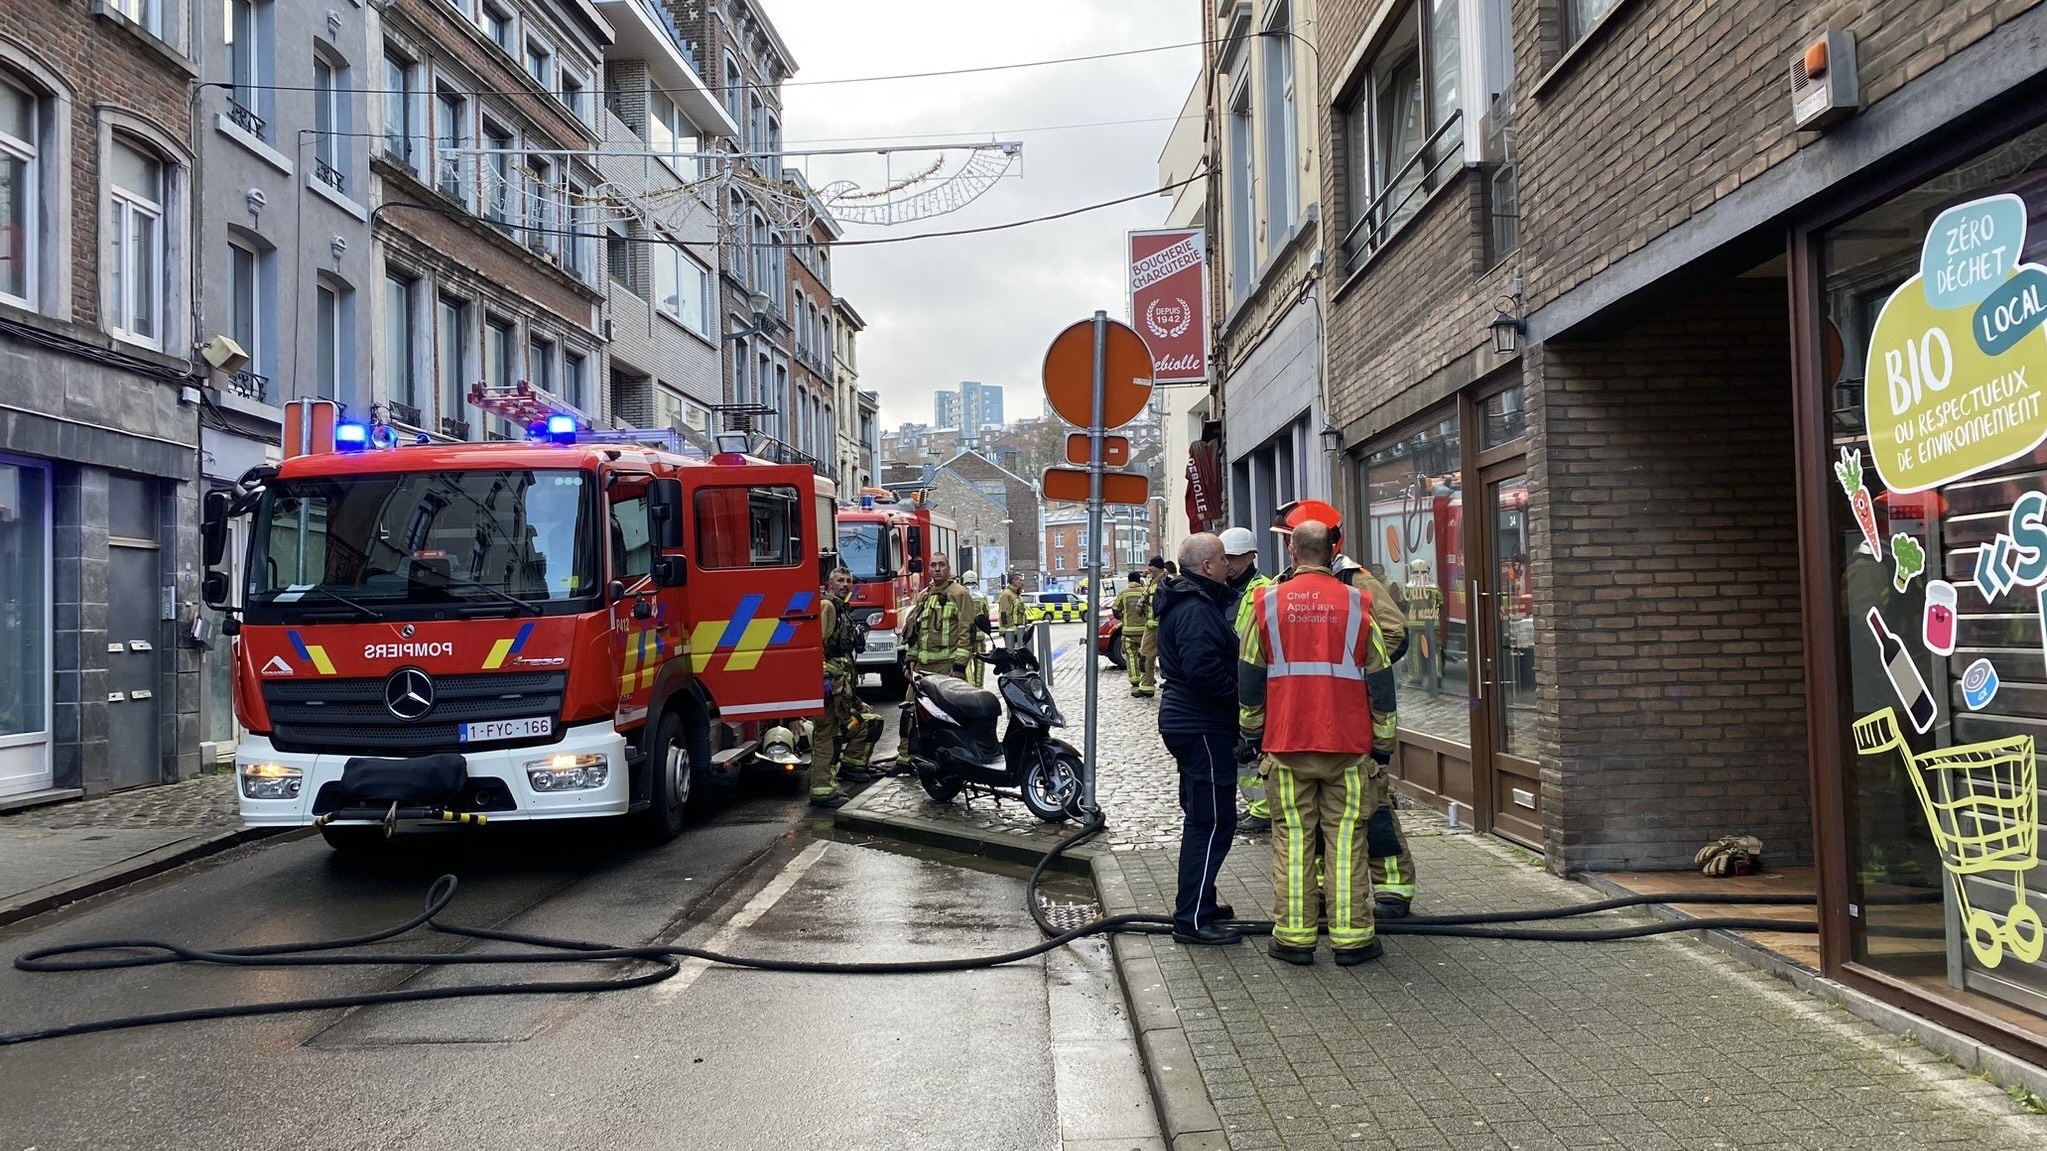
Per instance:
(984,307)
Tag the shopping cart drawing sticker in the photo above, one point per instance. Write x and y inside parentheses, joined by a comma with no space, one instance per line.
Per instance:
(1982,803)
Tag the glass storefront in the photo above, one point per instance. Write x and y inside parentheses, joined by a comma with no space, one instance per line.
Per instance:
(1413,488)
(24,618)
(1936,356)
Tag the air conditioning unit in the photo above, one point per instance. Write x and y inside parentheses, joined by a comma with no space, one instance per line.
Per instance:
(1824,86)
(609,328)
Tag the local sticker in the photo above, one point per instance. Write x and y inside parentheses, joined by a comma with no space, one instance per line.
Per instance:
(1979,685)
(1958,358)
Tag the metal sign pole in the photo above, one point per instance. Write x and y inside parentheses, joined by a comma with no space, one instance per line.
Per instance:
(1094,551)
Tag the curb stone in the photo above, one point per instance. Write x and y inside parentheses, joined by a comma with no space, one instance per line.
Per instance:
(157,862)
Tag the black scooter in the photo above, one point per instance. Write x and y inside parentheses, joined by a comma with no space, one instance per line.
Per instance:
(953,746)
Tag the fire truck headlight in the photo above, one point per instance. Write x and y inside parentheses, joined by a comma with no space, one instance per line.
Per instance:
(568,772)
(271,781)
(874,618)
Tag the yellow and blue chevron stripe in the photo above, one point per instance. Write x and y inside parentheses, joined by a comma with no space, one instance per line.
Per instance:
(745,638)
(505,648)
(311,653)
(1072,612)
(644,654)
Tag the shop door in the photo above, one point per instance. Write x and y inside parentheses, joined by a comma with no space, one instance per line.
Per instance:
(1505,646)
(134,572)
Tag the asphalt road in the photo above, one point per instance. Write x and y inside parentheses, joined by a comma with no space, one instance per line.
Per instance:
(714,1058)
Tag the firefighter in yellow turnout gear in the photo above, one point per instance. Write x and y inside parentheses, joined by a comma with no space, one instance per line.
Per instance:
(1240,551)
(1301,674)
(1156,574)
(940,635)
(845,718)
(976,672)
(1010,610)
(1133,607)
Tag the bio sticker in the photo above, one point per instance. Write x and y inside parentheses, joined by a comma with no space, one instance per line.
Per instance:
(1908,560)
(1957,359)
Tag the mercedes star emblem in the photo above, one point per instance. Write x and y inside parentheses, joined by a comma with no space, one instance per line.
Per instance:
(409,693)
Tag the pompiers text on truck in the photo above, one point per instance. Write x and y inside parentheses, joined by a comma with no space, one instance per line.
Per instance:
(578,625)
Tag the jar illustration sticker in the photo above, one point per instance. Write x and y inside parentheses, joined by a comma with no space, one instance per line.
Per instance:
(1979,685)
(1938,628)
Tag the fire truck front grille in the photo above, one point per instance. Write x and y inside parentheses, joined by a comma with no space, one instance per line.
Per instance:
(348,716)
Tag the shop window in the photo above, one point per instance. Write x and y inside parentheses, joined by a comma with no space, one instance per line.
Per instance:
(1413,539)
(1934,370)
(1504,418)
(748,527)
(24,590)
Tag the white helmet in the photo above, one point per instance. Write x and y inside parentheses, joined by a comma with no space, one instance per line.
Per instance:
(1239,541)
(778,746)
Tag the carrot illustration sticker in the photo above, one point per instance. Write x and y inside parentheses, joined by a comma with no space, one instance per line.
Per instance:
(1849,472)
(1908,560)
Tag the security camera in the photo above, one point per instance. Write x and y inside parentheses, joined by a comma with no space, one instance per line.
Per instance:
(224,354)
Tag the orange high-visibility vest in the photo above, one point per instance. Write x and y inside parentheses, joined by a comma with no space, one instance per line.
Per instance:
(1314,632)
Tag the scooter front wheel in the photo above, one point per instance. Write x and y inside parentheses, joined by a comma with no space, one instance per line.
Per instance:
(1052,786)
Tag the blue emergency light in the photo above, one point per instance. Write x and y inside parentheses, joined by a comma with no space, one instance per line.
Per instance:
(351,437)
(561,429)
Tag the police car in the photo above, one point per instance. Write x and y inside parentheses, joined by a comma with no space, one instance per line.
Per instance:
(1056,606)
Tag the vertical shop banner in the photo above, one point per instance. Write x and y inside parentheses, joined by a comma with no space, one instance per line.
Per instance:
(1168,302)
(1204,486)
(1958,358)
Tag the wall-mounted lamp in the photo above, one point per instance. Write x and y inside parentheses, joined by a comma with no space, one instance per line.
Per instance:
(1507,329)
(1332,439)
(757,303)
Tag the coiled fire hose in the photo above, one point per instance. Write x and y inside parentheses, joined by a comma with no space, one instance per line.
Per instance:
(663,961)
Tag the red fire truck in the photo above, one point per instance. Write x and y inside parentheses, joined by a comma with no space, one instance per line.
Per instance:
(578,625)
(887,544)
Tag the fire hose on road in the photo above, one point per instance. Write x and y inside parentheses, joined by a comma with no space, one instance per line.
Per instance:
(664,961)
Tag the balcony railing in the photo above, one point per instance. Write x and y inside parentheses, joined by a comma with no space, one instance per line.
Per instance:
(404,414)
(250,386)
(454,429)
(1379,220)
(330,175)
(682,43)
(244,119)
(775,451)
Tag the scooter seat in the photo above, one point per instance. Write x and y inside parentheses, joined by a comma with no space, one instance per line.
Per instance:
(960,698)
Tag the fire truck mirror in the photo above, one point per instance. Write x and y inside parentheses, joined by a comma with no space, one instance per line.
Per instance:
(213,526)
(664,513)
(616,590)
(671,571)
(213,588)
(916,545)
(916,566)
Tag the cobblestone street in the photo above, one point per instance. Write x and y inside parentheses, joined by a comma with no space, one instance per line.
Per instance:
(204,801)
(1470,1043)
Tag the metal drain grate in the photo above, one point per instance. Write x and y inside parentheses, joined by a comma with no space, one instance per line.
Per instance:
(1067,916)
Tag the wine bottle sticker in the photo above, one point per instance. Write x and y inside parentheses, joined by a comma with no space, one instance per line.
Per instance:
(1979,685)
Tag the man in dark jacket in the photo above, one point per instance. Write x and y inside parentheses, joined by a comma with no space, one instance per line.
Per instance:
(1198,719)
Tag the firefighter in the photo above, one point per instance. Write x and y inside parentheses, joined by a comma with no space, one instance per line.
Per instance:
(1133,607)
(842,708)
(1240,552)
(976,671)
(1011,610)
(1302,663)
(1156,573)
(1393,876)
(940,635)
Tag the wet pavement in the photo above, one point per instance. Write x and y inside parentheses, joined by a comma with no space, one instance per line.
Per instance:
(1027,1056)
(1466,1043)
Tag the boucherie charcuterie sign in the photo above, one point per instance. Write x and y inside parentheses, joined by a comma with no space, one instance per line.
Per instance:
(1958,359)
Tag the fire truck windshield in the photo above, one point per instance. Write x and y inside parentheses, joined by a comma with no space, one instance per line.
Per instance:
(474,541)
(866,550)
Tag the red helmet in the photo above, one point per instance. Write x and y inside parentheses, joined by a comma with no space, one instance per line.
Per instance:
(1293,515)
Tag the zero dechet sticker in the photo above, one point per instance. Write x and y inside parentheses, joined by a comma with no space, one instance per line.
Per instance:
(1908,561)
(1848,473)
(1957,360)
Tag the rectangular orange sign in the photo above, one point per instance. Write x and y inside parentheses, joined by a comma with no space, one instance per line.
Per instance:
(1115,450)
(1070,485)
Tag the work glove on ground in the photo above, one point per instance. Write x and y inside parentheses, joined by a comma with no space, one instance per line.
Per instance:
(1730,855)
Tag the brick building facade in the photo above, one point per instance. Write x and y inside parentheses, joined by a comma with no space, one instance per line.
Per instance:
(99,417)
(1600,316)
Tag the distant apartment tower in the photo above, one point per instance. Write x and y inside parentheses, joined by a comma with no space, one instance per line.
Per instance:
(980,407)
(945,409)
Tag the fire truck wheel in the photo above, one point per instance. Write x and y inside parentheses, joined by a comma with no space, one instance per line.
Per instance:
(668,785)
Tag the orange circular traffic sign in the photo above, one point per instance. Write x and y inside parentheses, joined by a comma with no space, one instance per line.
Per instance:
(1070,374)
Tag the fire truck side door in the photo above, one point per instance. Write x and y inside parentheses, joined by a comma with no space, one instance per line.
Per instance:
(645,623)
(756,639)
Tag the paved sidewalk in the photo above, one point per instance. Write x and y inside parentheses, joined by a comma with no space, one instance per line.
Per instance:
(50,856)
(1467,1043)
